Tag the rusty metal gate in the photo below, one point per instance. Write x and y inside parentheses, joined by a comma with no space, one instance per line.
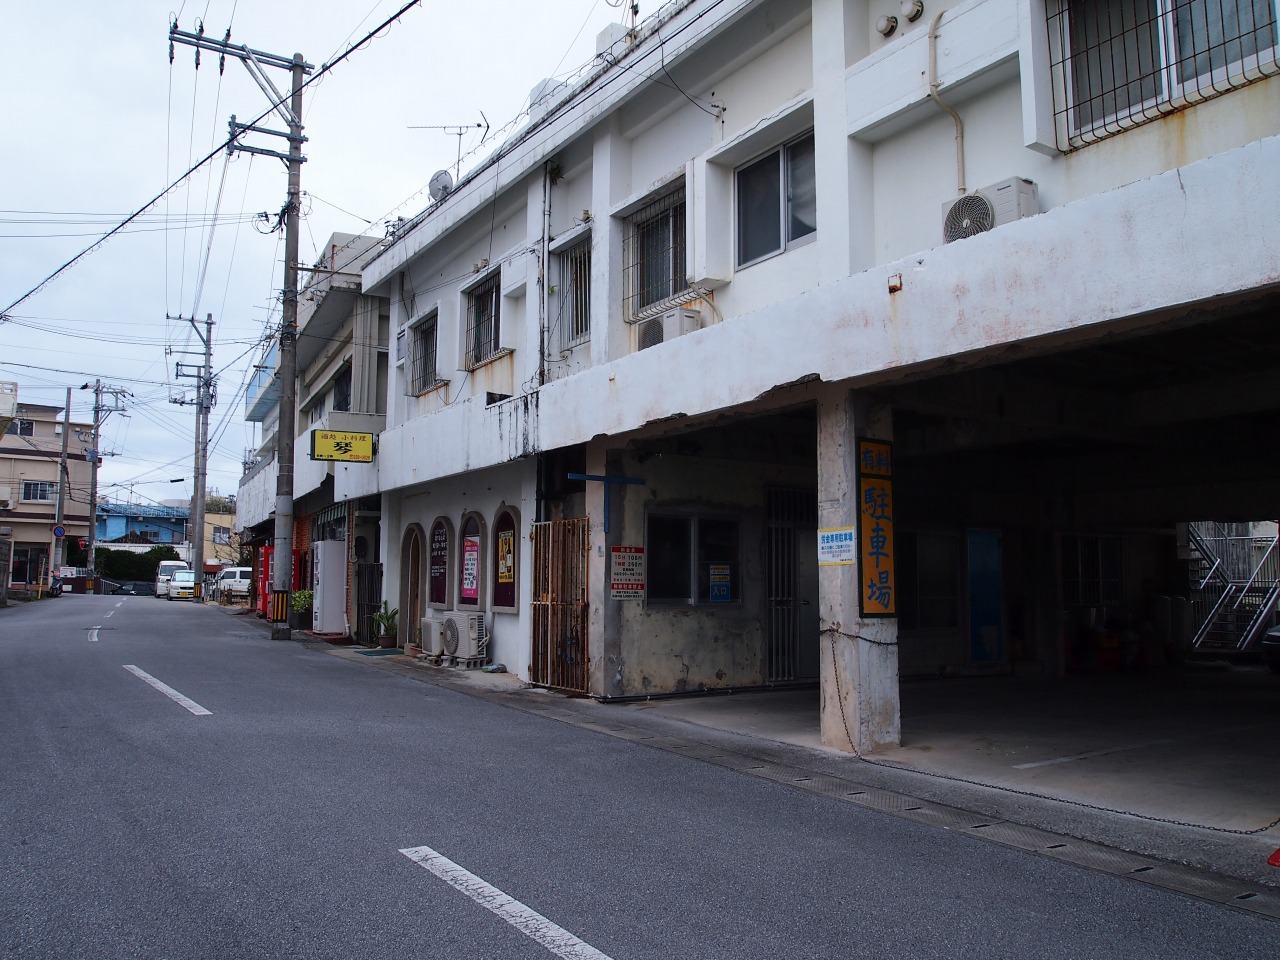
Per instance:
(561,655)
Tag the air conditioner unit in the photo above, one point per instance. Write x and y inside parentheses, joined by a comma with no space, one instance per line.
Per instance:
(432,641)
(465,638)
(668,326)
(6,504)
(988,208)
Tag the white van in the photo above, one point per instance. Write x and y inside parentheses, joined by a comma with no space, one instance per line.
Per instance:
(163,572)
(233,583)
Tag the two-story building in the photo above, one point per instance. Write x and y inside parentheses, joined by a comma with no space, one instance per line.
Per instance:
(838,340)
(33,494)
(341,391)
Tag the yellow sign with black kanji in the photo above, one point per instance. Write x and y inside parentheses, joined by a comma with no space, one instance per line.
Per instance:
(342,445)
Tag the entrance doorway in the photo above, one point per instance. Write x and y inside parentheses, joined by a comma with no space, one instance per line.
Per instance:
(561,656)
(791,531)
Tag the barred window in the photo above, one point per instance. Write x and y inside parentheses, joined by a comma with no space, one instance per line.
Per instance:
(654,256)
(483,316)
(1123,62)
(423,374)
(574,294)
(342,390)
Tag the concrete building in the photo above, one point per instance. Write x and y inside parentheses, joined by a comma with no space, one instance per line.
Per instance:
(141,523)
(31,489)
(840,341)
(341,391)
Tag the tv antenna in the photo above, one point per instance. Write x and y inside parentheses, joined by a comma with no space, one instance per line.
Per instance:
(458,130)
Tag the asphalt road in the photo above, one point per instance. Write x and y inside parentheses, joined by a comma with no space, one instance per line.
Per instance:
(273,825)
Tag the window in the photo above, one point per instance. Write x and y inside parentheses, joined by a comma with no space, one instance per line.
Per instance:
(574,294)
(777,201)
(692,560)
(342,390)
(469,587)
(928,581)
(438,563)
(21,428)
(222,535)
(1092,571)
(422,371)
(1126,61)
(483,315)
(316,412)
(654,255)
(40,491)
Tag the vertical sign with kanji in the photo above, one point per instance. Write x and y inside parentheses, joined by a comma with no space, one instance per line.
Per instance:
(878,591)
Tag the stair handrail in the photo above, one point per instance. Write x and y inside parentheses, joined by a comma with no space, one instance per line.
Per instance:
(1260,616)
(1201,545)
(1261,564)
(1202,633)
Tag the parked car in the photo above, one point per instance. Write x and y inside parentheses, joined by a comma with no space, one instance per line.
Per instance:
(182,585)
(164,571)
(234,583)
(1270,648)
(135,588)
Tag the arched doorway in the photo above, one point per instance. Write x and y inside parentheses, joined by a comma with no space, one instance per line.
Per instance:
(412,608)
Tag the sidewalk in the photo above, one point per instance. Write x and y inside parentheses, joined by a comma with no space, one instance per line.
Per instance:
(1014,773)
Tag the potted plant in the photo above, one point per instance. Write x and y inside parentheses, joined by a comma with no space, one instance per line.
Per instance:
(386,621)
(300,603)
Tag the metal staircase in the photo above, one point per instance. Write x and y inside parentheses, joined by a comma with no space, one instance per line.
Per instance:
(1235,584)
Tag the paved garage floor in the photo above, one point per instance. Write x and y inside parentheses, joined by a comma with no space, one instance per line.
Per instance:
(1200,745)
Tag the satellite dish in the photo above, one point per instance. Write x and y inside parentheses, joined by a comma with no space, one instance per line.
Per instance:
(440,185)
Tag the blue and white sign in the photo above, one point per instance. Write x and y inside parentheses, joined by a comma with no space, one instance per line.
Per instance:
(59,532)
(837,547)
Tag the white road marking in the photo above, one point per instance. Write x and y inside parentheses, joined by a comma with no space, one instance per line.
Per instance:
(168,691)
(109,612)
(1086,756)
(532,924)
(119,603)
(93,633)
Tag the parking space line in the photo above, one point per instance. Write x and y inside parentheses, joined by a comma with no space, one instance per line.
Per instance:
(1091,753)
(529,922)
(168,691)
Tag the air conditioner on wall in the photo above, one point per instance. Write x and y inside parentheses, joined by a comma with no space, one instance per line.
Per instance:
(431,636)
(465,638)
(667,326)
(6,504)
(988,208)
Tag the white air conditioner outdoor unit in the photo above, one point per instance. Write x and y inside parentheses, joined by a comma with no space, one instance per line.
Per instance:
(431,636)
(667,326)
(465,638)
(988,208)
(6,504)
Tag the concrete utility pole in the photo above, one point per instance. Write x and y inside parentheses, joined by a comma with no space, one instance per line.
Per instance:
(62,487)
(94,455)
(290,110)
(206,397)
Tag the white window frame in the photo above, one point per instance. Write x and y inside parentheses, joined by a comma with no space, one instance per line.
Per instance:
(1171,89)
(46,491)
(786,199)
(21,427)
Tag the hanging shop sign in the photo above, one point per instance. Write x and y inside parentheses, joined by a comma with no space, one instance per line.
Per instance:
(342,445)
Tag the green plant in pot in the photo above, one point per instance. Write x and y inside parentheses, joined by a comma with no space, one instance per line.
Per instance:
(386,621)
(301,600)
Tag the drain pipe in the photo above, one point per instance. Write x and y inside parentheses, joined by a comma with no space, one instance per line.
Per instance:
(943,105)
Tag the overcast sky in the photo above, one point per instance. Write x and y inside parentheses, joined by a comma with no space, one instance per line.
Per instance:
(97,122)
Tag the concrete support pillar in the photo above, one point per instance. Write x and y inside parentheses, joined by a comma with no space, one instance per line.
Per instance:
(861,709)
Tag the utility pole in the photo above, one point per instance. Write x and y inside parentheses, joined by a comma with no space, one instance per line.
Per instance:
(290,111)
(206,397)
(62,486)
(94,456)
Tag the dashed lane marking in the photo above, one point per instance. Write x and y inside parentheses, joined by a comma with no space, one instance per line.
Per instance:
(93,633)
(529,922)
(168,691)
